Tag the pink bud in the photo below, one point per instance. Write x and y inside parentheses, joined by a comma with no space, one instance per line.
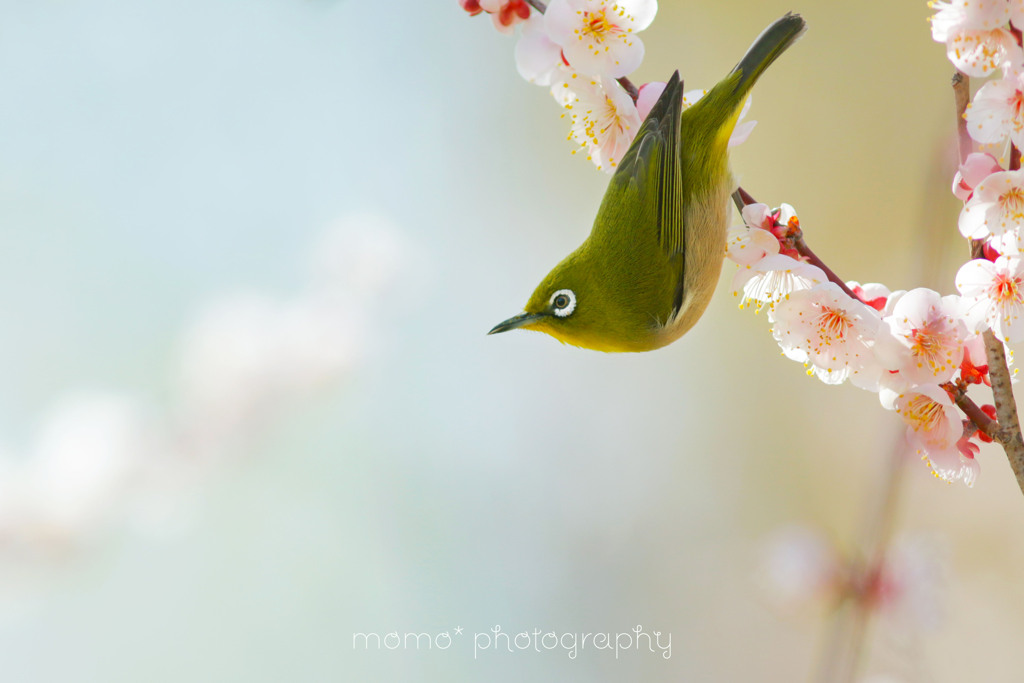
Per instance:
(976,168)
(649,94)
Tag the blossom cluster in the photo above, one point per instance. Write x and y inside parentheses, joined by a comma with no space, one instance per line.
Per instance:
(919,350)
(904,345)
(583,50)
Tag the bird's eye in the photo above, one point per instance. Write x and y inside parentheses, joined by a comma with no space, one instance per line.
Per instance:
(564,302)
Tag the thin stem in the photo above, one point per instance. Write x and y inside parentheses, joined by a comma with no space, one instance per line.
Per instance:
(812,258)
(537,5)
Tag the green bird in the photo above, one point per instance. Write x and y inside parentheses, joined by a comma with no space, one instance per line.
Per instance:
(648,269)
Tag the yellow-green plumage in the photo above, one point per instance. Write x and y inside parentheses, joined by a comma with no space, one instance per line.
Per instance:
(649,267)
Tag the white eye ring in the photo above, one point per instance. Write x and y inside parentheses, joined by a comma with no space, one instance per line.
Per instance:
(566,309)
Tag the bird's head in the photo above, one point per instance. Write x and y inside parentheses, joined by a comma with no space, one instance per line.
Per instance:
(567,305)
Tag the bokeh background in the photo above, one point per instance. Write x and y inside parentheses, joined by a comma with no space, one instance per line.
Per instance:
(248,254)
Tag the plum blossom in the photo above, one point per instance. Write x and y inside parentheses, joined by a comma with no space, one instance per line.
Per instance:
(833,334)
(957,15)
(506,13)
(934,429)
(930,335)
(874,294)
(972,171)
(996,207)
(974,366)
(598,37)
(604,118)
(773,279)
(538,59)
(996,111)
(746,246)
(994,294)
(974,32)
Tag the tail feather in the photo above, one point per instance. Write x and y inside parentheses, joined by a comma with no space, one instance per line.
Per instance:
(720,108)
(772,42)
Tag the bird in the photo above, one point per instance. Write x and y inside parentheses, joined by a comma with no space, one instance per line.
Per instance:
(649,267)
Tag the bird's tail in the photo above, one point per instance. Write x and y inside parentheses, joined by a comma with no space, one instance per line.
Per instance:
(722,105)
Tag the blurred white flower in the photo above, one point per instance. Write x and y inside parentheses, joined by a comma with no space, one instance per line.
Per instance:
(913,582)
(246,354)
(800,569)
(88,452)
(363,254)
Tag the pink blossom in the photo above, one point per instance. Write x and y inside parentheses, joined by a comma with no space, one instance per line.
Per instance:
(831,333)
(874,294)
(773,278)
(538,59)
(994,294)
(997,111)
(746,246)
(604,118)
(996,207)
(976,168)
(598,37)
(934,429)
(974,32)
(930,336)
(506,13)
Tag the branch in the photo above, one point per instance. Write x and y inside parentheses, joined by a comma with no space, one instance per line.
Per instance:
(1006,407)
(974,413)
(812,258)
(961,97)
(631,89)
(743,198)
(537,5)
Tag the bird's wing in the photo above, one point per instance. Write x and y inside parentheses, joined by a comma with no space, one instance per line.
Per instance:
(653,166)
(653,163)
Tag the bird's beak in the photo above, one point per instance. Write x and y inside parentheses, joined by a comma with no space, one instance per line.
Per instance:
(514,323)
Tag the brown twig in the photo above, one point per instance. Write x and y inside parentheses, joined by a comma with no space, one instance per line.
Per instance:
(812,258)
(743,198)
(973,411)
(537,5)
(631,89)
(1006,407)
(961,98)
